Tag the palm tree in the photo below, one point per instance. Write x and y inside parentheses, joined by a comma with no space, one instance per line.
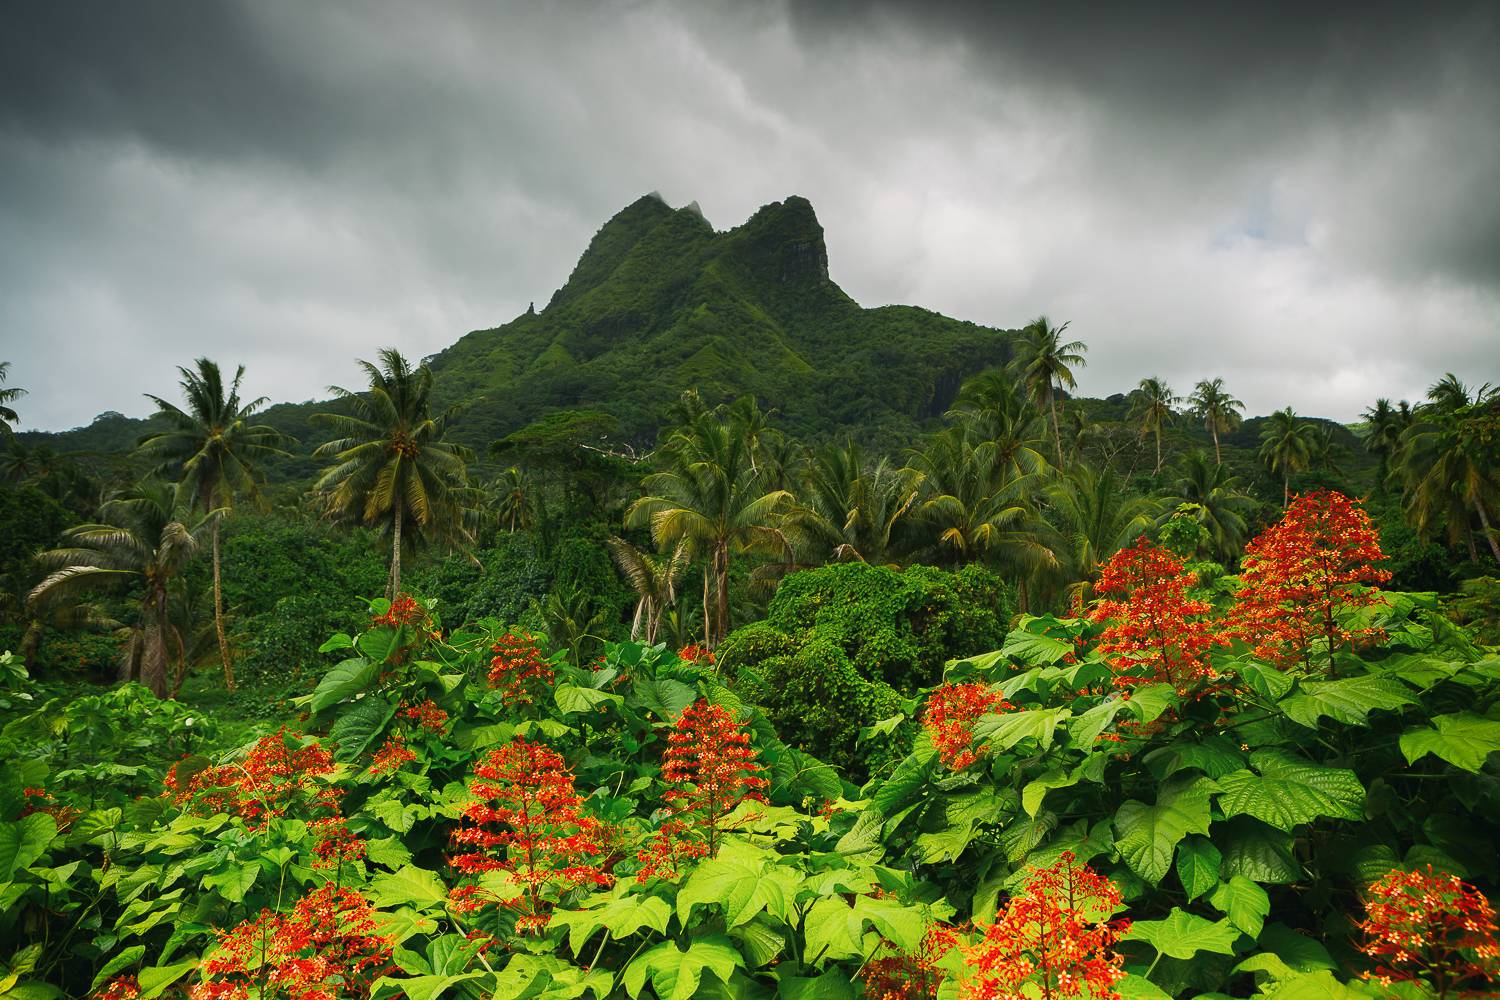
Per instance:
(1219,411)
(1288,444)
(214,449)
(976,510)
(8,416)
(512,491)
(393,463)
(1045,364)
(1448,461)
(1153,408)
(848,511)
(654,581)
(1220,506)
(1095,516)
(709,499)
(142,540)
(1006,425)
(1449,395)
(1382,431)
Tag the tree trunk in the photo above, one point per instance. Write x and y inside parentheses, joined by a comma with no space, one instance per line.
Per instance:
(1286,490)
(1489,532)
(1056,434)
(393,588)
(219,615)
(31,644)
(721,558)
(708,621)
(1158,454)
(1023,595)
(1218,456)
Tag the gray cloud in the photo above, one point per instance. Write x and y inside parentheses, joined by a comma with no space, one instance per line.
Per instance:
(1299,200)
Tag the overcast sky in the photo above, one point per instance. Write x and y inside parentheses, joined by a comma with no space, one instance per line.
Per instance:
(1307,204)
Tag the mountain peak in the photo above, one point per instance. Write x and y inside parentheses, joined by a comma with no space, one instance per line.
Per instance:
(783,242)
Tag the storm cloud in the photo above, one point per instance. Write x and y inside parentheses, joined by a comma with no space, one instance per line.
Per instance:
(1302,200)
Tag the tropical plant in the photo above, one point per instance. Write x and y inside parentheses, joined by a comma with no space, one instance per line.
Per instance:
(512,500)
(847,509)
(709,499)
(213,452)
(1448,464)
(654,580)
(1384,424)
(1094,515)
(1288,444)
(142,543)
(8,396)
(1219,411)
(395,466)
(1045,364)
(1154,400)
(1219,505)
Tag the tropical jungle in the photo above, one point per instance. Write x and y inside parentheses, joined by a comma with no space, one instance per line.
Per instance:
(707,634)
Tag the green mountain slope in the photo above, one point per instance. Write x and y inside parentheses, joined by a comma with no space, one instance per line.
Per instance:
(660,302)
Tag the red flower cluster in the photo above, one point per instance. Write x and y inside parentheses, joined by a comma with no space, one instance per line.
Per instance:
(898,975)
(518,670)
(694,653)
(1303,574)
(405,610)
(39,800)
(324,949)
(335,843)
(1431,928)
(1056,940)
(278,777)
(709,768)
(949,720)
(392,755)
(669,850)
(1156,632)
(426,715)
(527,821)
(120,988)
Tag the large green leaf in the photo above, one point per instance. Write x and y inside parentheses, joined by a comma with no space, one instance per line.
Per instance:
(1198,862)
(1291,790)
(572,699)
(344,681)
(675,973)
(408,886)
(620,915)
(830,931)
(1349,701)
(1149,834)
(663,697)
(1004,731)
(357,728)
(1033,649)
(906,784)
(155,979)
(740,882)
(23,841)
(1462,739)
(1183,935)
(1244,903)
(1259,852)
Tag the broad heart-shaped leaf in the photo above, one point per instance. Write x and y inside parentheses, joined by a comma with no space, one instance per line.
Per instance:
(1463,739)
(663,697)
(155,979)
(572,699)
(1213,755)
(1264,679)
(1259,852)
(1004,731)
(408,886)
(620,915)
(357,728)
(1198,862)
(1134,987)
(906,784)
(1291,790)
(740,881)
(344,681)
(1349,701)
(23,841)
(1150,700)
(903,926)
(1148,834)
(234,880)
(428,987)
(1033,649)
(1036,790)
(1084,730)
(830,932)
(1244,903)
(828,986)
(675,974)
(1183,935)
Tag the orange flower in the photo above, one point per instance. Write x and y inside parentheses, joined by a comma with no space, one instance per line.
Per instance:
(518,669)
(710,768)
(949,718)
(1432,928)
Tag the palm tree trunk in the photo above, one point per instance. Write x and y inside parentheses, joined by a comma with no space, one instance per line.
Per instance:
(722,559)
(31,644)
(1158,453)
(219,615)
(1489,532)
(394,586)
(1286,490)
(1056,434)
(708,622)
(1218,455)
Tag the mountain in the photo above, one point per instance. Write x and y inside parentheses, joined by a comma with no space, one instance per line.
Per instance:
(660,303)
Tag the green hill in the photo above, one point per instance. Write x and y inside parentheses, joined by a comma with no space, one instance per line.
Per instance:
(660,303)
